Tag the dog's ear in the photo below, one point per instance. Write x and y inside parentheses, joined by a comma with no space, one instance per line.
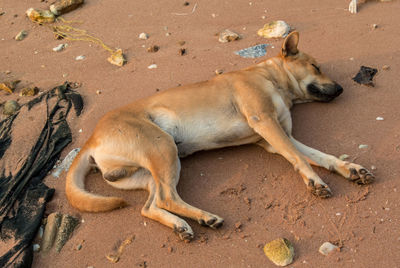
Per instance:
(289,46)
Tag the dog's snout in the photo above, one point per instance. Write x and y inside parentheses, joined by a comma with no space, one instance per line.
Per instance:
(338,89)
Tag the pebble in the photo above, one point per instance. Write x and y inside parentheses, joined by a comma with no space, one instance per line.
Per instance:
(170,249)
(385,67)
(117,58)
(280,251)
(379,118)
(219,71)
(227,36)
(182,51)
(98,92)
(81,57)
(343,157)
(374,26)
(274,29)
(29,91)
(64,75)
(153,49)
(152,66)
(362,146)
(373,168)
(326,248)
(80,130)
(7,72)
(59,47)
(21,35)
(143,36)
(36,247)
(40,16)
(10,107)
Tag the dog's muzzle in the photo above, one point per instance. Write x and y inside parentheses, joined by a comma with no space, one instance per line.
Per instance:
(325,93)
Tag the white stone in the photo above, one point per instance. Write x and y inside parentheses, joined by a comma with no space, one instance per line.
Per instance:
(152,66)
(59,47)
(81,57)
(143,36)
(274,29)
(362,146)
(379,118)
(327,248)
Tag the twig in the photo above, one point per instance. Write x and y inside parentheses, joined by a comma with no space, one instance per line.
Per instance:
(184,14)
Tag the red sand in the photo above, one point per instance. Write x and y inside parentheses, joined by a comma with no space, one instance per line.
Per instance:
(364,220)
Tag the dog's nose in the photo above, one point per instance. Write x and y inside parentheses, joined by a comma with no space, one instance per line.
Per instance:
(338,89)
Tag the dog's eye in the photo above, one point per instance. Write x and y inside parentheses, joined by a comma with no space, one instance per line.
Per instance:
(316,68)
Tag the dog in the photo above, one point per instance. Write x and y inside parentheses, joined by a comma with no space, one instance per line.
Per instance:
(139,145)
(353,5)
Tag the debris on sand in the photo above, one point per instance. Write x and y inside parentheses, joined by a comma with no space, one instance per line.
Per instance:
(59,47)
(365,76)
(58,230)
(280,251)
(10,107)
(253,52)
(66,163)
(227,36)
(21,35)
(63,6)
(117,58)
(153,49)
(40,16)
(114,258)
(29,91)
(143,36)
(327,247)
(152,66)
(274,29)
(80,57)
(362,146)
(182,51)
(9,86)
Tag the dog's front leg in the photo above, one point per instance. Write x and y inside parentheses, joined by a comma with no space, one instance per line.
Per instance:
(350,171)
(272,132)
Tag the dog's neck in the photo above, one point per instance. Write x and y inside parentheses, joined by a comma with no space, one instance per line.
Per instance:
(288,87)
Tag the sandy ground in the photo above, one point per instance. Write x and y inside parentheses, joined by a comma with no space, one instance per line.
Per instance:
(245,184)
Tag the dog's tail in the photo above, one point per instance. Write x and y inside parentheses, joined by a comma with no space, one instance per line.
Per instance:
(75,188)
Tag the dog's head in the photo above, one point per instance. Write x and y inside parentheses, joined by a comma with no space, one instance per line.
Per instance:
(313,84)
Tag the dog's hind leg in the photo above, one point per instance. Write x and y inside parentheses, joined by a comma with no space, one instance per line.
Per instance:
(164,165)
(350,171)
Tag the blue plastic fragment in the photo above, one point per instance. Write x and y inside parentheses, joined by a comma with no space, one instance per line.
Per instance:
(253,52)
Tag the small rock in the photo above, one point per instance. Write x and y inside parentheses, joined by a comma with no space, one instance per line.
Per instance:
(379,118)
(343,157)
(374,26)
(7,72)
(152,66)
(280,251)
(153,49)
(81,57)
(80,130)
(98,92)
(373,167)
(10,107)
(36,247)
(186,3)
(385,67)
(40,16)
(219,71)
(63,6)
(64,75)
(362,146)
(50,231)
(167,34)
(182,51)
(67,226)
(327,248)
(238,225)
(227,36)
(21,35)
(170,249)
(181,43)
(59,47)
(79,247)
(112,258)
(143,36)
(29,91)
(117,58)
(274,29)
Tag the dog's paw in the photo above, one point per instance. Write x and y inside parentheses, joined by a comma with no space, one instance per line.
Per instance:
(320,190)
(185,233)
(360,176)
(214,222)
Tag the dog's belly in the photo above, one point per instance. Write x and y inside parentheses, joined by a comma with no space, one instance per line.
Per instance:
(204,132)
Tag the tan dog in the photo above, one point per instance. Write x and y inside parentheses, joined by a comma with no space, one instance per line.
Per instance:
(138,146)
